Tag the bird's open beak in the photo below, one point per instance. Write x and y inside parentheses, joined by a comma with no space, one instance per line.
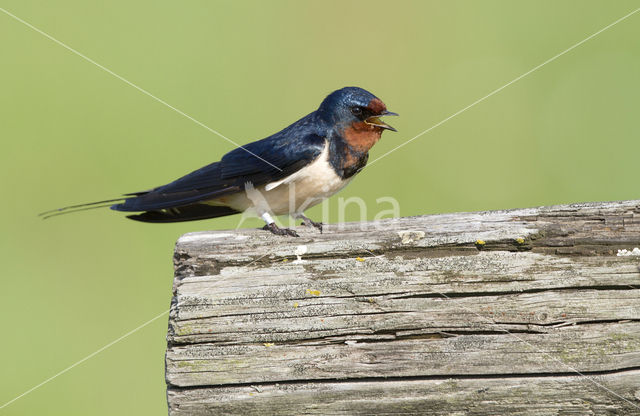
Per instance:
(375,120)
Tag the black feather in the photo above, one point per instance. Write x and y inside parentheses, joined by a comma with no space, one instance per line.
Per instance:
(73,211)
(79,207)
(184,213)
(290,150)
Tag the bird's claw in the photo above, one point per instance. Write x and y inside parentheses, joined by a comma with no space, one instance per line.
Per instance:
(310,223)
(280,231)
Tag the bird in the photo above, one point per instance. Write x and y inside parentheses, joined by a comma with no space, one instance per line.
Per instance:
(285,173)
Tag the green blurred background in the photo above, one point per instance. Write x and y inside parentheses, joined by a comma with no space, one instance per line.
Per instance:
(73,133)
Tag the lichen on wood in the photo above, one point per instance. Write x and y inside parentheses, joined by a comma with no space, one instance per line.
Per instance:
(528,311)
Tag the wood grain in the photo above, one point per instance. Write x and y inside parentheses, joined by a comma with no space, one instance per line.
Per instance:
(525,311)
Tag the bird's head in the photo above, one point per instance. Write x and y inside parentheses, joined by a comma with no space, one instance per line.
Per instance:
(355,108)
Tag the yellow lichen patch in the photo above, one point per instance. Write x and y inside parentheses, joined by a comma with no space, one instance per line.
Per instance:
(480,242)
(313,292)
(285,260)
(359,259)
(295,304)
(520,240)
(268,344)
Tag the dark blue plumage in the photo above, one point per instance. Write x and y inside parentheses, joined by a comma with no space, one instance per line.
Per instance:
(320,152)
(335,110)
(286,151)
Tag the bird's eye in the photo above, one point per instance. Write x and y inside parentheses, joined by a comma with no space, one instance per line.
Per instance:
(356,111)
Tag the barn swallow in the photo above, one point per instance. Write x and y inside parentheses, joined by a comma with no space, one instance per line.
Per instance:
(285,173)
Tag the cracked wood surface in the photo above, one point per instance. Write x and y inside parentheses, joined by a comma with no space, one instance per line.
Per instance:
(483,313)
(527,396)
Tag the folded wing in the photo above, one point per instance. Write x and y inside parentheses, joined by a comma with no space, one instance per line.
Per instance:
(260,162)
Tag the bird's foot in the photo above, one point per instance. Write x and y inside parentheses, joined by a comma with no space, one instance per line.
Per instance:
(280,231)
(310,223)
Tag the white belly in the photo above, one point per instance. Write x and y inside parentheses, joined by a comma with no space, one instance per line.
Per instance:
(293,194)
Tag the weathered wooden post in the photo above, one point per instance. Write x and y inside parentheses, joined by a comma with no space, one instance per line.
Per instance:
(528,311)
